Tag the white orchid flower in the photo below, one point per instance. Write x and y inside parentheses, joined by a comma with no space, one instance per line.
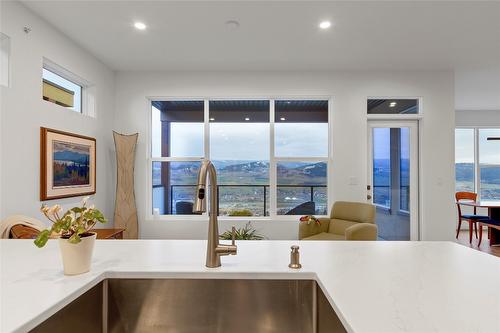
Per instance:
(45,209)
(84,200)
(52,211)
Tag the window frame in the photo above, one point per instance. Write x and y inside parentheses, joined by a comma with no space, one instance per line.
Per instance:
(388,116)
(87,93)
(273,160)
(477,166)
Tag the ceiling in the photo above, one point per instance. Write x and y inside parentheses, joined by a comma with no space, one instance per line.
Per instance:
(284,35)
(281,35)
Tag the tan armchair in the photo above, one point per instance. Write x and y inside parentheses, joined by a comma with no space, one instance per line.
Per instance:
(347,221)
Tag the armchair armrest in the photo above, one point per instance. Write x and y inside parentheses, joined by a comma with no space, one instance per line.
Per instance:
(307,230)
(361,231)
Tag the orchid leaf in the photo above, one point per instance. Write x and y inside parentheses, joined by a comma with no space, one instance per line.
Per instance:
(42,238)
(74,239)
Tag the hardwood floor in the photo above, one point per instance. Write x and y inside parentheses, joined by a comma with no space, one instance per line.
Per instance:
(463,239)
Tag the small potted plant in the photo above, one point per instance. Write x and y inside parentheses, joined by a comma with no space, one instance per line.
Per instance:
(76,241)
(245,233)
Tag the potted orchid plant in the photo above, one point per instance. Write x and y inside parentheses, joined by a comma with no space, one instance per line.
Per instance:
(76,241)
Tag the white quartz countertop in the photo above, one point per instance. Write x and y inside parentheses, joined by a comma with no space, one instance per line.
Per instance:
(372,286)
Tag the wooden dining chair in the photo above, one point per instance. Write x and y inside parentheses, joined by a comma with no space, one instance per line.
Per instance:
(471,218)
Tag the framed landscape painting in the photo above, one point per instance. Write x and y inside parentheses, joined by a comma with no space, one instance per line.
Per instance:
(67,164)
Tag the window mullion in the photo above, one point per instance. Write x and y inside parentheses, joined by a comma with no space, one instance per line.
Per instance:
(206,136)
(206,140)
(477,170)
(272,164)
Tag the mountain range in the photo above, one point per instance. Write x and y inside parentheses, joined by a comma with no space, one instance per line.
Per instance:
(71,156)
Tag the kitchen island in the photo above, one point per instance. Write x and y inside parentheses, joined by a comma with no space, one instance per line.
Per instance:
(371,286)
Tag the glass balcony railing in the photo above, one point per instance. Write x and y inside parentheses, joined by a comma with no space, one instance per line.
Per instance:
(243,200)
(382,197)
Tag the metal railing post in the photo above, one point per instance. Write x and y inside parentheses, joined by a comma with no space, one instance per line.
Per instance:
(171,199)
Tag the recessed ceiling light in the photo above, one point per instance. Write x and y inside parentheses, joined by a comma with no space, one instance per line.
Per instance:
(139,26)
(212,119)
(325,24)
(247,119)
(282,119)
(232,24)
(392,104)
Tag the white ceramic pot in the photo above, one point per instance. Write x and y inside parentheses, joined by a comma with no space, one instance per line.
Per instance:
(77,257)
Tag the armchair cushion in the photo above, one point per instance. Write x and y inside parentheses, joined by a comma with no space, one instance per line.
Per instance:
(353,211)
(361,231)
(339,226)
(308,230)
(325,236)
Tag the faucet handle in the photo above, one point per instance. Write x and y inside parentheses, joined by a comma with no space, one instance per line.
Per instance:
(233,235)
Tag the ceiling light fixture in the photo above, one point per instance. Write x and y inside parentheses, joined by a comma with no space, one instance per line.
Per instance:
(247,119)
(212,119)
(140,26)
(282,119)
(232,24)
(325,24)
(392,104)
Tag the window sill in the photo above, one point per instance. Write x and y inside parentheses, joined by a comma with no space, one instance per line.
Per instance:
(204,218)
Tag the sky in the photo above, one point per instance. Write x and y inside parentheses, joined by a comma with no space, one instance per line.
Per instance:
(244,141)
(65,146)
(382,143)
(250,141)
(489,151)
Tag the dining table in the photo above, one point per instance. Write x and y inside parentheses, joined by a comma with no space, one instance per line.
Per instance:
(493,224)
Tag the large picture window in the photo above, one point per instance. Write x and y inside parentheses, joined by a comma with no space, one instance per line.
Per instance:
(301,154)
(271,156)
(464,160)
(477,161)
(489,163)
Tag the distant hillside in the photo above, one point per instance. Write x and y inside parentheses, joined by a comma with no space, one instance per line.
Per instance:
(251,167)
(489,173)
(464,171)
(251,173)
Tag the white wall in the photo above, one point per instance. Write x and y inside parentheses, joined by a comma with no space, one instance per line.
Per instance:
(23,112)
(349,91)
(477,88)
(478,118)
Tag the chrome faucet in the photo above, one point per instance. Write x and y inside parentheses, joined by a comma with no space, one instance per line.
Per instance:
(214,249)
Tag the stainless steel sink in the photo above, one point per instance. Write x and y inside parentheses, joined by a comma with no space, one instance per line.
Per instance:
(197,305)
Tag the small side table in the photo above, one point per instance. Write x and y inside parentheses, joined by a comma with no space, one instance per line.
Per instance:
(109,233)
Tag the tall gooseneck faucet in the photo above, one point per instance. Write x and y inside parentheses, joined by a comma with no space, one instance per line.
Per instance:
(214,249)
